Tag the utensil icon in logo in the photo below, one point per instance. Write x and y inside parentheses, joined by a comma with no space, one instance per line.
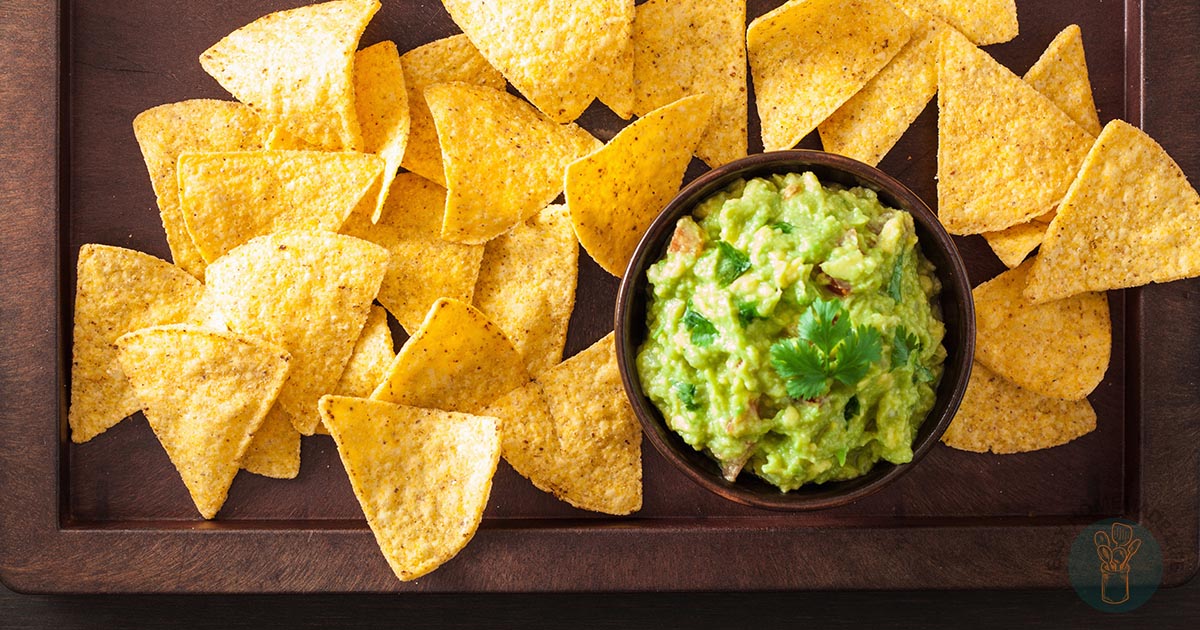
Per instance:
(1115,548)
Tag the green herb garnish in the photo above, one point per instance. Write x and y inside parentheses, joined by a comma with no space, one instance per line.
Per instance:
(783,226)
(703,331)
(852,408)
(827,347)
(896,284)
(747,312)
(687,395)
(904,344)
(731,264)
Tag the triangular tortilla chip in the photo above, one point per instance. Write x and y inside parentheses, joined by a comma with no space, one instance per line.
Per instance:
(1059,349)
(457,361)
(204,393)
(982,21)
(868,125)
(573,433)
(422,476)
(296,69)
(1130,218)
(686,47)
(1006,153)
(1012,245)
(382,104)
(809,56)
(422,267)
(489,137)
(1000,417)
(274,450)
(309,292)
(117,291)
(448,60)
(1061,75)
(230,198)
(615,193)
(368,366)
(527,285)
(200,125)
(558,53)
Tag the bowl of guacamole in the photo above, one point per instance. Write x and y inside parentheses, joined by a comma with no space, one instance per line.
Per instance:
(795,330)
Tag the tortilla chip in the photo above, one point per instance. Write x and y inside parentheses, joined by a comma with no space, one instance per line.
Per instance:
(1059,349)
(274,451)
(809,56)
(1000,417)
(373,354)
(1013,245)
(296,69)
(204,393)
(457,361)
(117,291)
(166,131)
(448,60)
(309,292)
(527,285)
(982,21)
(1130,218)
(1061,74)
(1005,153)
(868,125)
(382,105)
(613,74)
(422,267)
(615,193)
(573,433)
(558,54)
(422,476)
(686,47)
(504,162)
(230,198)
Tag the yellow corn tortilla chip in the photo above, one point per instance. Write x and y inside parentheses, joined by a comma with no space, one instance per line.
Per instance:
(868,125)
(422,476)
(373,354)
(527,285)
(809,56)
(615,193)
(1061,75)
(573,433)
(274,451)
(296,69)
(422,267)
(1058,349)
(457,360)
(309,292)
(230,198)
(982,21)
(1012,245)
(503,160)
(613,74)
(1006,153)
(382,103)
(448,60)
(1130,218)
(117,291)
(1000,417)
(166,131)
(558,53)
(686,47)
(204,393)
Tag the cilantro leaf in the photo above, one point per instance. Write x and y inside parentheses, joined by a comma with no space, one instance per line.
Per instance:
(904,344)
(747,312)
(896,284)
(703,331)
(783,226)
(731,264)
(802,368)
(687,395)
(923,374)
(858,351)
(824,324)
(852,408)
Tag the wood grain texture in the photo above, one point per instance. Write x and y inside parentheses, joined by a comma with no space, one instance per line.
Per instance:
(112,516)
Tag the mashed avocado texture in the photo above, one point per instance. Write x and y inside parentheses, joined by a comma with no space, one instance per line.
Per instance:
(793,331)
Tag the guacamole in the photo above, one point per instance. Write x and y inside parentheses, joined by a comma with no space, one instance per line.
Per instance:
(794,331)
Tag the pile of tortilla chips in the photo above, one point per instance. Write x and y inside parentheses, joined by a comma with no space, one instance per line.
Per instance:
(288,216)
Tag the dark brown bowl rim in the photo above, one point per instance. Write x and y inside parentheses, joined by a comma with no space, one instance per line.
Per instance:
(747,489)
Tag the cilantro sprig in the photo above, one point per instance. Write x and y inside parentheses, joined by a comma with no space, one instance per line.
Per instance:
(827,348)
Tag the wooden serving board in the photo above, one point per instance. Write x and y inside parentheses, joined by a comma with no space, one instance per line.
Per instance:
(112,515)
